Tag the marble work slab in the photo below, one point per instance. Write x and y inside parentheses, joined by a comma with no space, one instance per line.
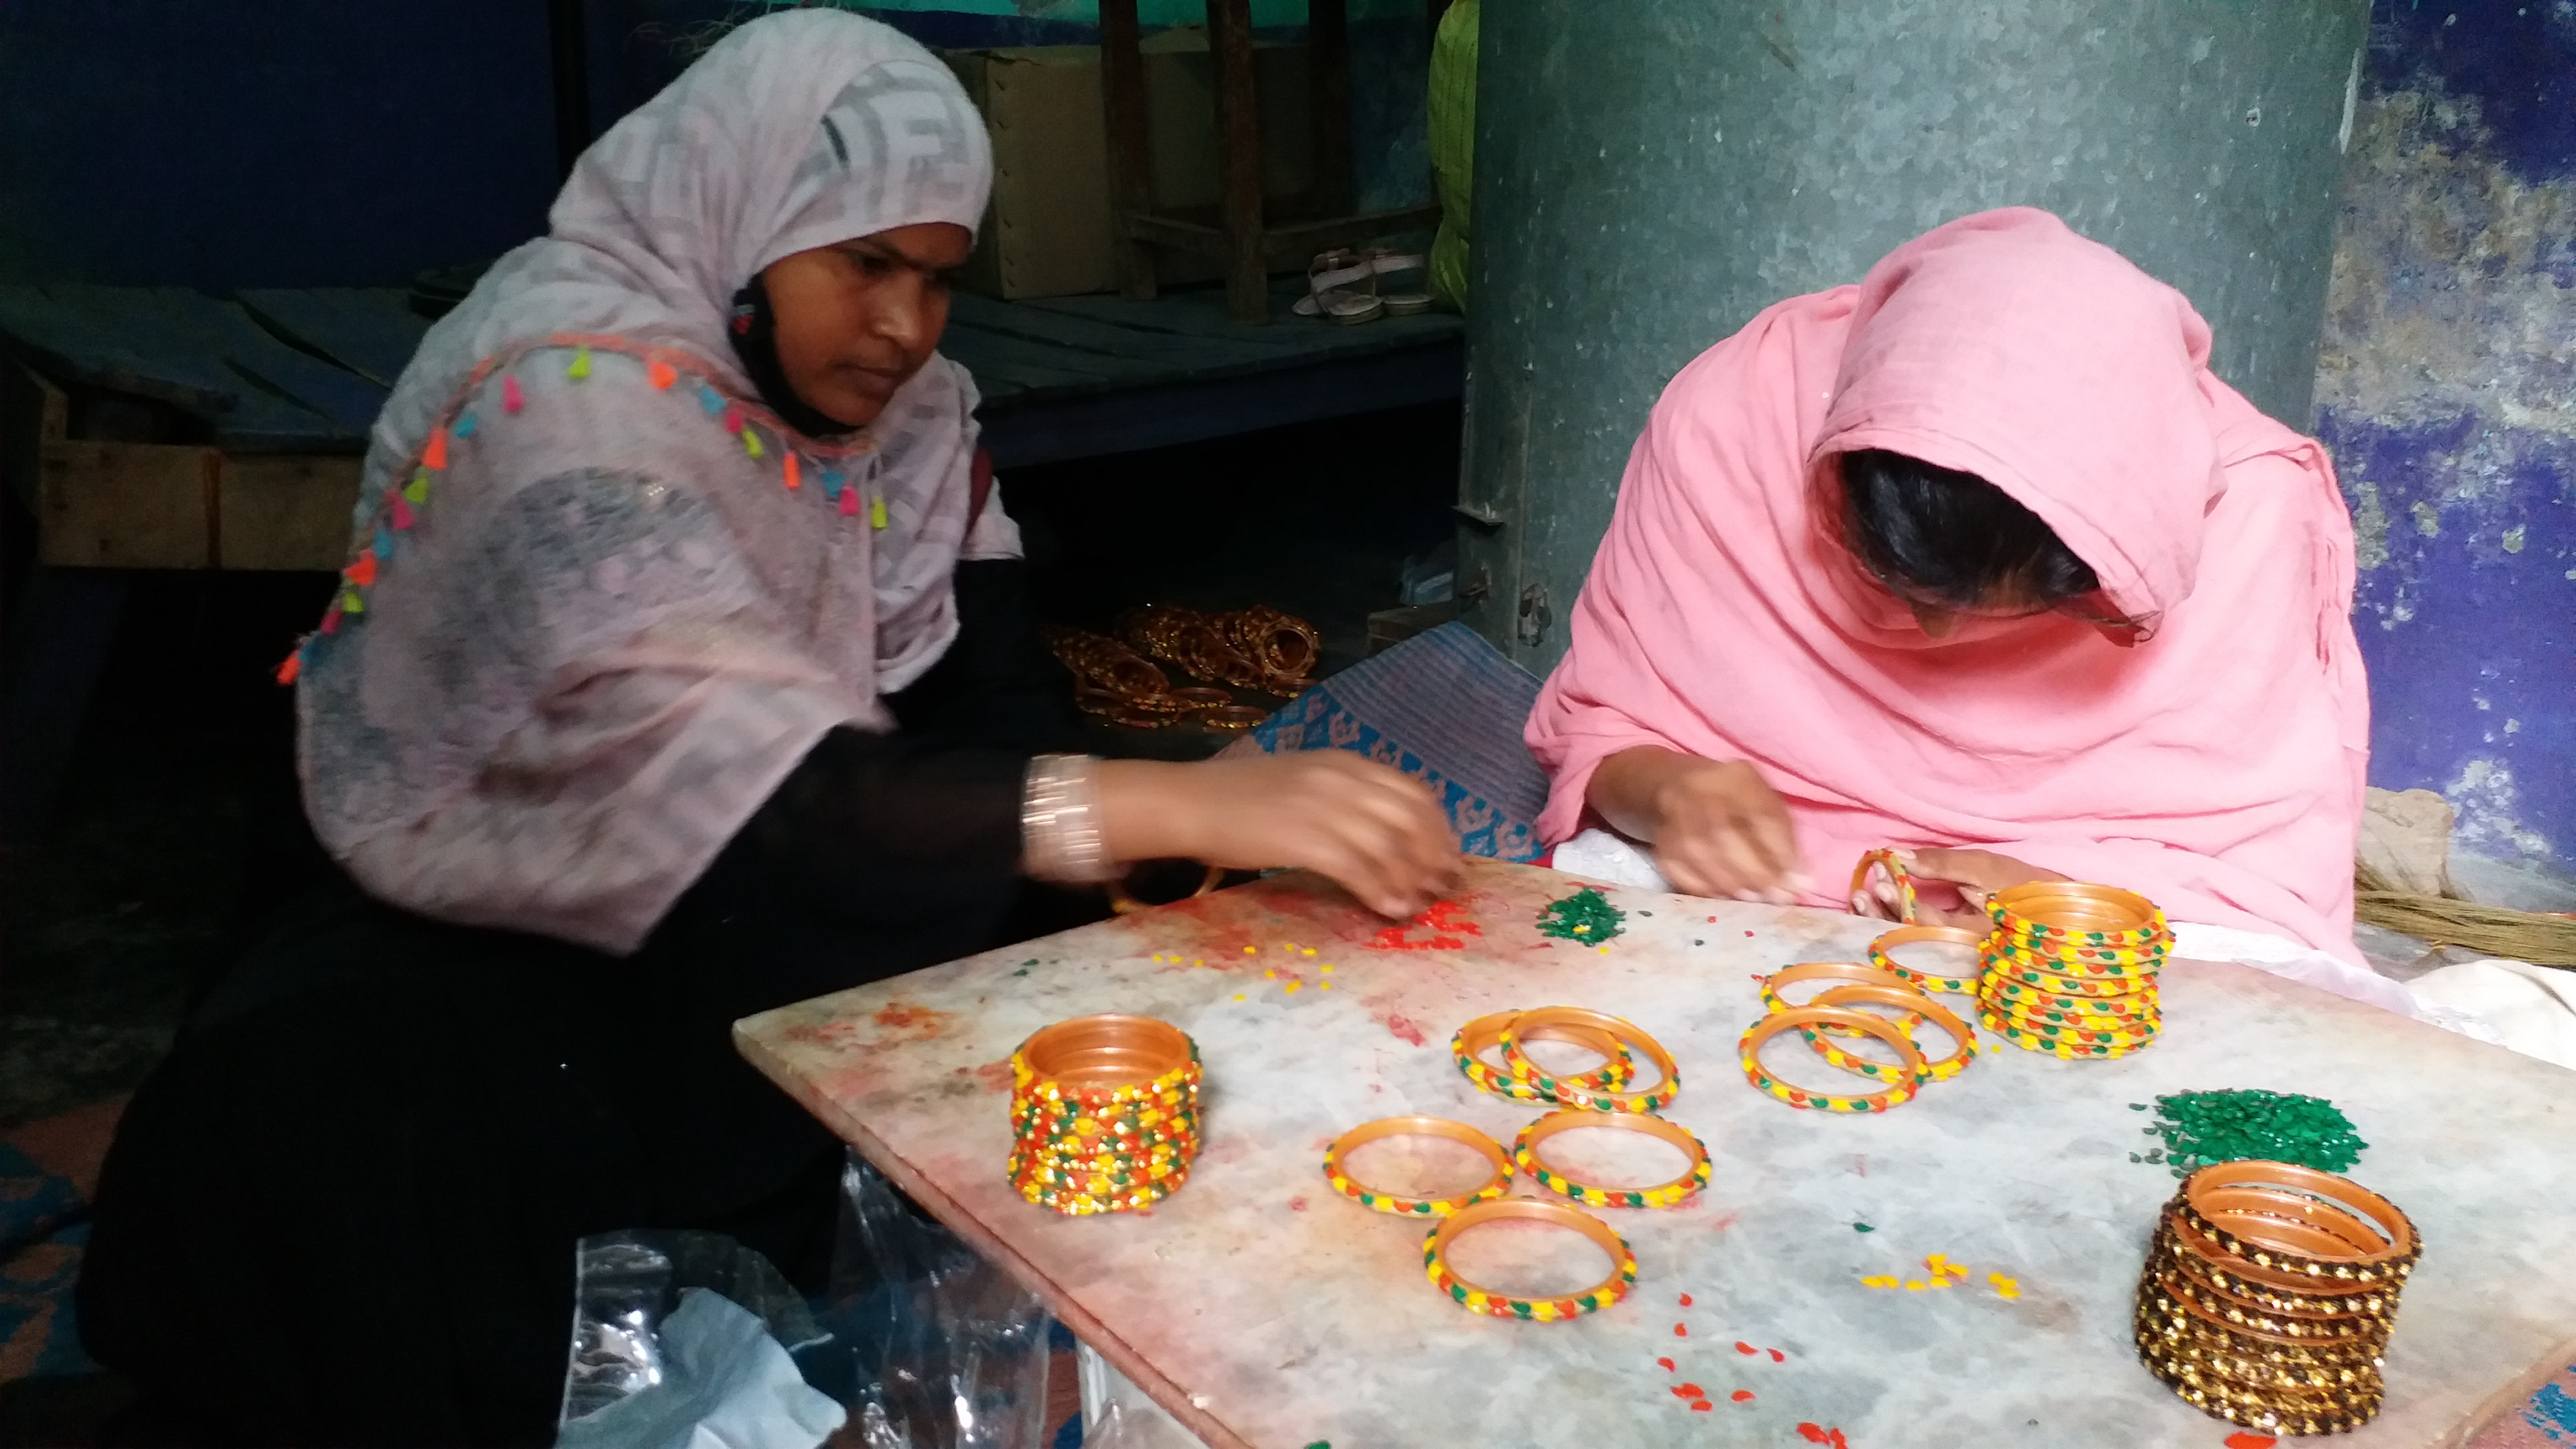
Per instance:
(1263,1310)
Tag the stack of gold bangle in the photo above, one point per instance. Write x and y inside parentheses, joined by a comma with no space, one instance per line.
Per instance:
(1257,648)
(1104,1113)
(2269,1295)
(1834,1013)
(1115,683)
(2071,969)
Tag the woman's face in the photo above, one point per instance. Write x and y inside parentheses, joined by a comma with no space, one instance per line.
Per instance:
(855,319)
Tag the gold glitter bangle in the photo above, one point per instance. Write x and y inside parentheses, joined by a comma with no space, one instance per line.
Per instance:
(2177,1322)
(1880,957)
(1387,1202)
(2374,1300)
(1749,1055)
(2177,1284)
(1478,1299)
(1525,1154)
(2326,1194)
(1654,1098)
(1918,1009)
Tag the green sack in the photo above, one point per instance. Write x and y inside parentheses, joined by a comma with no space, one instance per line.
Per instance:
(1453,147)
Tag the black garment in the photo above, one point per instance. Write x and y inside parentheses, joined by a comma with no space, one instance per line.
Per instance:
(343,1210)
(754,333)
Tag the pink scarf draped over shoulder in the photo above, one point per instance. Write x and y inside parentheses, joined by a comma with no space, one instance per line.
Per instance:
(2216,767)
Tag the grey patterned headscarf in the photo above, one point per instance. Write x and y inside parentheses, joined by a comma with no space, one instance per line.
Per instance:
(601,600)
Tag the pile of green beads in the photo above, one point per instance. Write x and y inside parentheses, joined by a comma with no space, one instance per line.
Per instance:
(1583,916)
(2233,1126)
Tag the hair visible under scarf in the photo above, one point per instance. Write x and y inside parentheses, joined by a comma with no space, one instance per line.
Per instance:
(753,332)
(1952,538)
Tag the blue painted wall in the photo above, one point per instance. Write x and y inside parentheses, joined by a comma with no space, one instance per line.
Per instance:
(2447,389)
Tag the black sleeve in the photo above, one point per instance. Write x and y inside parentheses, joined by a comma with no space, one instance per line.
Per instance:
(940,797)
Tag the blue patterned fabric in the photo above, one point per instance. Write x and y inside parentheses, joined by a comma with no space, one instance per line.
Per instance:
(1445,706)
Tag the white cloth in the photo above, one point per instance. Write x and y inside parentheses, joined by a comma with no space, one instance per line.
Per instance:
(614,620)
(2530,1009)
(1606,856)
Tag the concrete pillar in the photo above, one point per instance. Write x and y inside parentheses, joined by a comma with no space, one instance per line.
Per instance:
(1651,173)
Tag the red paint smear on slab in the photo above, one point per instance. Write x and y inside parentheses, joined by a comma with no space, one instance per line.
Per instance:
(1665,1364)
(2251,1441)
(1296,1204)
(1681,1330)
(1742,1396)
(1702,1407)
(996,1076)
(1742,1347)
(1813,1433)
(904,1013)
(1690,1391)
(1404,1030)
(1778,1357)
(1686,1300)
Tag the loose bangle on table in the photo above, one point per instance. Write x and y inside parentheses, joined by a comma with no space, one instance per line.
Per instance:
(1918,1009)
(1925,980)
(1749,1052)
(2079,914)
(1528,1025)
(1618,1067)
(2329,1193)
(1847,973)
(2072,1045)
(1387,1202)
(1895,868)
(1525,1154)
(1479,1299)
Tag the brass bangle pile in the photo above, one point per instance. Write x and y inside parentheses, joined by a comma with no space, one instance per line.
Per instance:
(2071,969)
(1104,1113)
(1834,1013)
(1257,648)
(2269,1294)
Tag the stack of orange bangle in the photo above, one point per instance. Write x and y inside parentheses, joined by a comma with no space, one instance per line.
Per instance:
(2071,969)
(1104,1113)
(2269,1295)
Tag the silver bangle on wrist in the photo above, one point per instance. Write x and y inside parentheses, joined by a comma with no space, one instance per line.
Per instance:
(1060,821)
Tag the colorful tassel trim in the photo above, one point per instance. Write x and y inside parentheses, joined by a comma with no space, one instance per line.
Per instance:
(877,512)
(511,398)
(661,374)
(435,455)
(789,464)
(293,667)
(849,502)
(400,509)
(580,363)
(417,490)
(751,442)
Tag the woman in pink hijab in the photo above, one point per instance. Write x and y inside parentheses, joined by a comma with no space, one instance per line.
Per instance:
(1976,559)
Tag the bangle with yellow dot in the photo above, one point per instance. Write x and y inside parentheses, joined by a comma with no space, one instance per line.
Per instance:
(1389,1202)
(1880,957)
(1841,973)
(1749,1051)
(1886,860)
(1476,1298)
(1525,1154)
(1530,1025)
(1472,1041)
(2073,1046)
(2076,914)
(1917,1009)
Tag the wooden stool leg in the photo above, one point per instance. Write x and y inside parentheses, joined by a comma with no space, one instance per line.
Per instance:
(1238,127)
(1131,159)
(1328,82)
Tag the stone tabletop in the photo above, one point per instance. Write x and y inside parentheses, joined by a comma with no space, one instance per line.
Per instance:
(1264,1310)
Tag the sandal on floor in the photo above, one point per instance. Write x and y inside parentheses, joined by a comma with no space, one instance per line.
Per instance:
(1334,283)
(1408,300)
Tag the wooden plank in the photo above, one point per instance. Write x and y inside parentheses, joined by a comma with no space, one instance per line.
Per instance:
(288,511)
(57,330)
(1238,160)
(345,403)
(32,413)
(1131,160)
(1201,313)
(1328,81)
(1184,355)
(1041,367)
(126,505)
(371,331)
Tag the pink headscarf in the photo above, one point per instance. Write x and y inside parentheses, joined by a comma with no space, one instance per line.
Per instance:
(602,600)
(2216,767)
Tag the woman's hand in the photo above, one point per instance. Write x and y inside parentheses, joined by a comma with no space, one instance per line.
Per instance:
(1974,874)
(1377,832)
(1717,827)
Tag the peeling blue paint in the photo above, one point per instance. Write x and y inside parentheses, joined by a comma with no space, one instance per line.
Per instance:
(2447,391)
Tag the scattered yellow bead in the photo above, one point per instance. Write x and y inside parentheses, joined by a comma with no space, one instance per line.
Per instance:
(1328,966)
(1605,950)
(1238,998)
(1290,988)
(1269,975)
(1323,986)
(1914,1285)
(1311,951)
(2008,1291)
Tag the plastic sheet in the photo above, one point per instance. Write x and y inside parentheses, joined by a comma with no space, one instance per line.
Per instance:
(927,1345)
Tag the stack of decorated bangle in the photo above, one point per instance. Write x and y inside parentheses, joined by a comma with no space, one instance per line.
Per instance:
(2071,969)
(1104,1113)
(1618,1043)
(2269,1295)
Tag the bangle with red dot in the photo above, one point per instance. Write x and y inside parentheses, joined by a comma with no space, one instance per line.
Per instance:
(1530,1024)
(1525,1155)
(1472,1041)
(1889,861)
(1918,1009)
(1925,980)
(2073,1046)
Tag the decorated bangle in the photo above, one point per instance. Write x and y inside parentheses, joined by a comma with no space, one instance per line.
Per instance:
(2181,1327)
(2109,1013)
(1472,1041)
(1525,1154)
(1478,1299)
(2267,1392)
(2000,989)
(1098,1061)
(1075,1202)
(2250,1369)
(1749,1053)
(2073,1046)
(1918,1009)
(2040,979)
(1667,1086)
(1888,861)
(1880,956)
(2173,1280)
(2194,1254)
(2041,1019)
(2329,1193)
(2080,914)
(2003,949)
(2272,1414)
(2096,959)
(1841,973)
(1387,1202)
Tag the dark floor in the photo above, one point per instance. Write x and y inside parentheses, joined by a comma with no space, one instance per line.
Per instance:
(183,775)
